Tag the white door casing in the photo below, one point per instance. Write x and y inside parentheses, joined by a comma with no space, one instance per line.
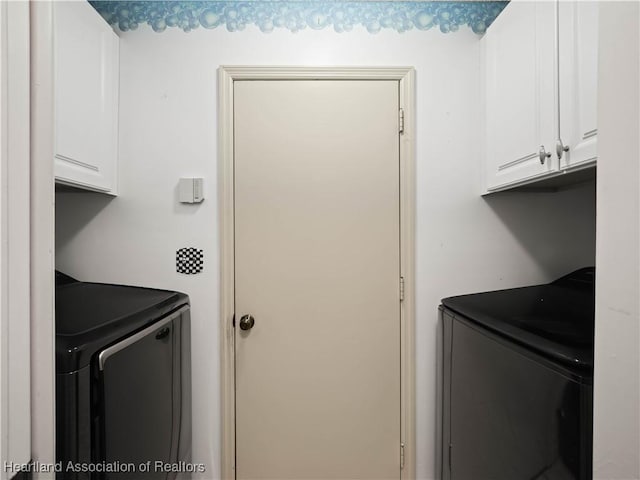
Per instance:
(42,239)
(403,78)
(15,368)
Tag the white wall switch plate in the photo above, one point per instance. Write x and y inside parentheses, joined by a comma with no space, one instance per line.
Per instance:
(191,190)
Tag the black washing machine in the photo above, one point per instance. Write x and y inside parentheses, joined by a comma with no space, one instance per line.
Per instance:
(518,382)
(123,381)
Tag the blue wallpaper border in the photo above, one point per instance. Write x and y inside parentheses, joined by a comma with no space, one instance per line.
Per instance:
(342,16)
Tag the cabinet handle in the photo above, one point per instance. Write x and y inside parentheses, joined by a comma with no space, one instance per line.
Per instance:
(561,148)
(543,154)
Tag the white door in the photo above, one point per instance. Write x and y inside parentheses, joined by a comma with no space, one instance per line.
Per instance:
(519,81)
(86,66)
(578,77)
(317,264)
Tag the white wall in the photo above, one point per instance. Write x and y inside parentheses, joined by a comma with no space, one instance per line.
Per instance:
(465,243)
(617,368)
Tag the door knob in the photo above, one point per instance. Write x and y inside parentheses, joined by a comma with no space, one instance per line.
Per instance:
(543,155)
(561,148)
(247,322)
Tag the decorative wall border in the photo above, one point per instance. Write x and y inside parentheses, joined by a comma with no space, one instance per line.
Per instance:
(343,16)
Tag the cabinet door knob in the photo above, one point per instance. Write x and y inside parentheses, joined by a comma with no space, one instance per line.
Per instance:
(543,154)
(561,148)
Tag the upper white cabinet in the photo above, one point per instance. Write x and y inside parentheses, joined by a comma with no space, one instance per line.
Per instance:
(540,62)
(86,65)
(519,86)
(578,77)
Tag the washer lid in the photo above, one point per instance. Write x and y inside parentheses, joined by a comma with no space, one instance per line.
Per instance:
(556,320)
(90,316)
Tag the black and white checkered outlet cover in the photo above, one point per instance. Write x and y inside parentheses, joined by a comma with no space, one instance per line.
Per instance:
(189,260)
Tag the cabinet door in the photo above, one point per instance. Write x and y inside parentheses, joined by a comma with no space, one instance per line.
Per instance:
(511,416)
(141,401)
(447,337)
(578,77)
(519,82)
(86,96)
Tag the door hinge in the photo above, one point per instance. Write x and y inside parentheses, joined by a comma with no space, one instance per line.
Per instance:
(401,456)
(233,321)
(401,120)
(450,448)
(401,289)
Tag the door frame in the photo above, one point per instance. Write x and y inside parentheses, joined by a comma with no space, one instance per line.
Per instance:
(15,234)
(227,75)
